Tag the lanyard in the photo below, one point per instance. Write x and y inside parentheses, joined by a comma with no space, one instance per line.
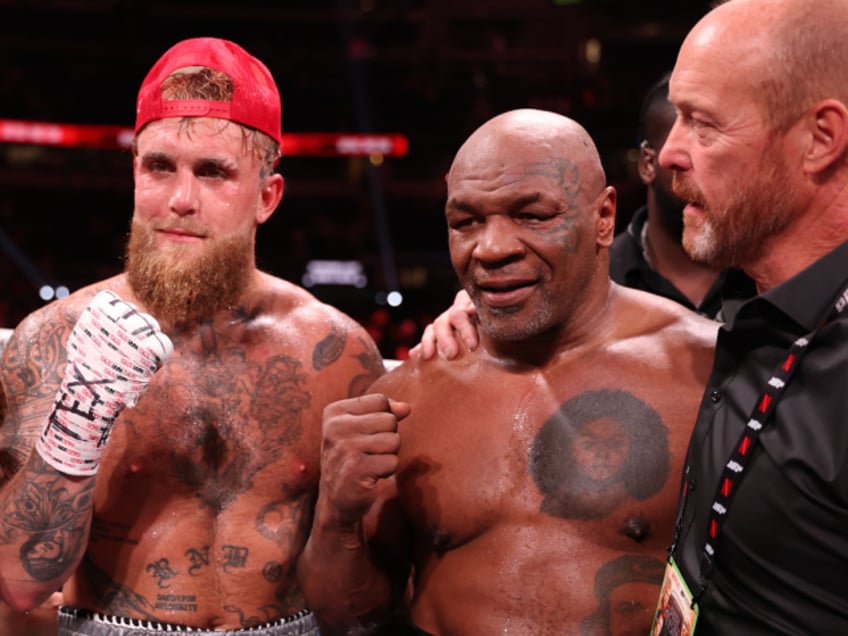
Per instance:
(734,468)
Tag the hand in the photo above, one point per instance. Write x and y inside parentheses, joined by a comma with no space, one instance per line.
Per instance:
(113,351)
(454,326)
(360,447)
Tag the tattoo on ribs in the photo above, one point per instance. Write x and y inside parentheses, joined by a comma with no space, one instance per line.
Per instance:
(598,449)
(113,597)
(638,602)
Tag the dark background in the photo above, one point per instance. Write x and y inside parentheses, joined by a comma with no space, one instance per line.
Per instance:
(432,70)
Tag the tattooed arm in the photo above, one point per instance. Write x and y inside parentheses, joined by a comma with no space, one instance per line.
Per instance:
(44,514)
(107,359)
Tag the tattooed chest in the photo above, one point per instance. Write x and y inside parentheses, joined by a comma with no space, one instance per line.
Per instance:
(217,427)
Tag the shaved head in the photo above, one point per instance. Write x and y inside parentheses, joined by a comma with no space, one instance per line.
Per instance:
(796,55)
(526,136)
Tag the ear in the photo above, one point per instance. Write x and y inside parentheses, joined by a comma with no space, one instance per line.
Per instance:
(647,164)
(605,221)
(269,197)
(827,125)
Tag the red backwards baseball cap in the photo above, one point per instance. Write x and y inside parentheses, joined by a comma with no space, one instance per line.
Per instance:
(256,100)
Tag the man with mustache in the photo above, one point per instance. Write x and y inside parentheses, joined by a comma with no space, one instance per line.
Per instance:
(194,512)
(515,482)
(759,151)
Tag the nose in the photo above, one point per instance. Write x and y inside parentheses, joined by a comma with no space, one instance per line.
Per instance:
(673,155)
(497,241)
(184,197)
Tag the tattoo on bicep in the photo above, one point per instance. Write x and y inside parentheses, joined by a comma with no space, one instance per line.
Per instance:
(162,571)
(33,364)
(597,450)
(329,349)
(52,520)
(626,589)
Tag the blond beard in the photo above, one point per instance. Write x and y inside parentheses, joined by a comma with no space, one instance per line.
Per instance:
(178,288)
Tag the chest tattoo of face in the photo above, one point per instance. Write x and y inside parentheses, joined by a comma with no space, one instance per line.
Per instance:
(597,450)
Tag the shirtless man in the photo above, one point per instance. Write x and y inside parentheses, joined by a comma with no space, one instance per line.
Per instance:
(194,512)
(528,486)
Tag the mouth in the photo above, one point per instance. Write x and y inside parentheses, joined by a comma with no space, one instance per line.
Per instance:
(693,209)
(505,293)
(179,235)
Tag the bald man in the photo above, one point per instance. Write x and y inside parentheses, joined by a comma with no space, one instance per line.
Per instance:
(759,151)
(528,486)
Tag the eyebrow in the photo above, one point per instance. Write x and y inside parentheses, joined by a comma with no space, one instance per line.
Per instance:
(514,204)
(217,162)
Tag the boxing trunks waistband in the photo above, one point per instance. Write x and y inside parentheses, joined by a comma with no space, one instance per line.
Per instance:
(80,622)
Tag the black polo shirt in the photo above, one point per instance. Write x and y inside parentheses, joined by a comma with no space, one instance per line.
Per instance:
(781,562)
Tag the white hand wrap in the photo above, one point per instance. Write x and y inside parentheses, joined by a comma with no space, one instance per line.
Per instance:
(113,352)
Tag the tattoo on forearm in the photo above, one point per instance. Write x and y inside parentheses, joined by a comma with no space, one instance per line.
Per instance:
(52,519)
(600,448)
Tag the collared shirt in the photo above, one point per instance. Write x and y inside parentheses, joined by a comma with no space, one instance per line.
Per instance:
(629,267)
(781,560)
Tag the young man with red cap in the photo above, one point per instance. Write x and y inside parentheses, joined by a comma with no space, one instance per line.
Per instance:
(175,409)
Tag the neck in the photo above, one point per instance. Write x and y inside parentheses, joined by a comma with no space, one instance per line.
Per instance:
(820,229)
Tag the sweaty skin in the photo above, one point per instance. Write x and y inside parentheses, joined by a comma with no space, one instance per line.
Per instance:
(205,488)
(204,496)
(528,486)
(527,491)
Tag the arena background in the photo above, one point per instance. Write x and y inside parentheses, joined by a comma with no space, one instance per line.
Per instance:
(430,70)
